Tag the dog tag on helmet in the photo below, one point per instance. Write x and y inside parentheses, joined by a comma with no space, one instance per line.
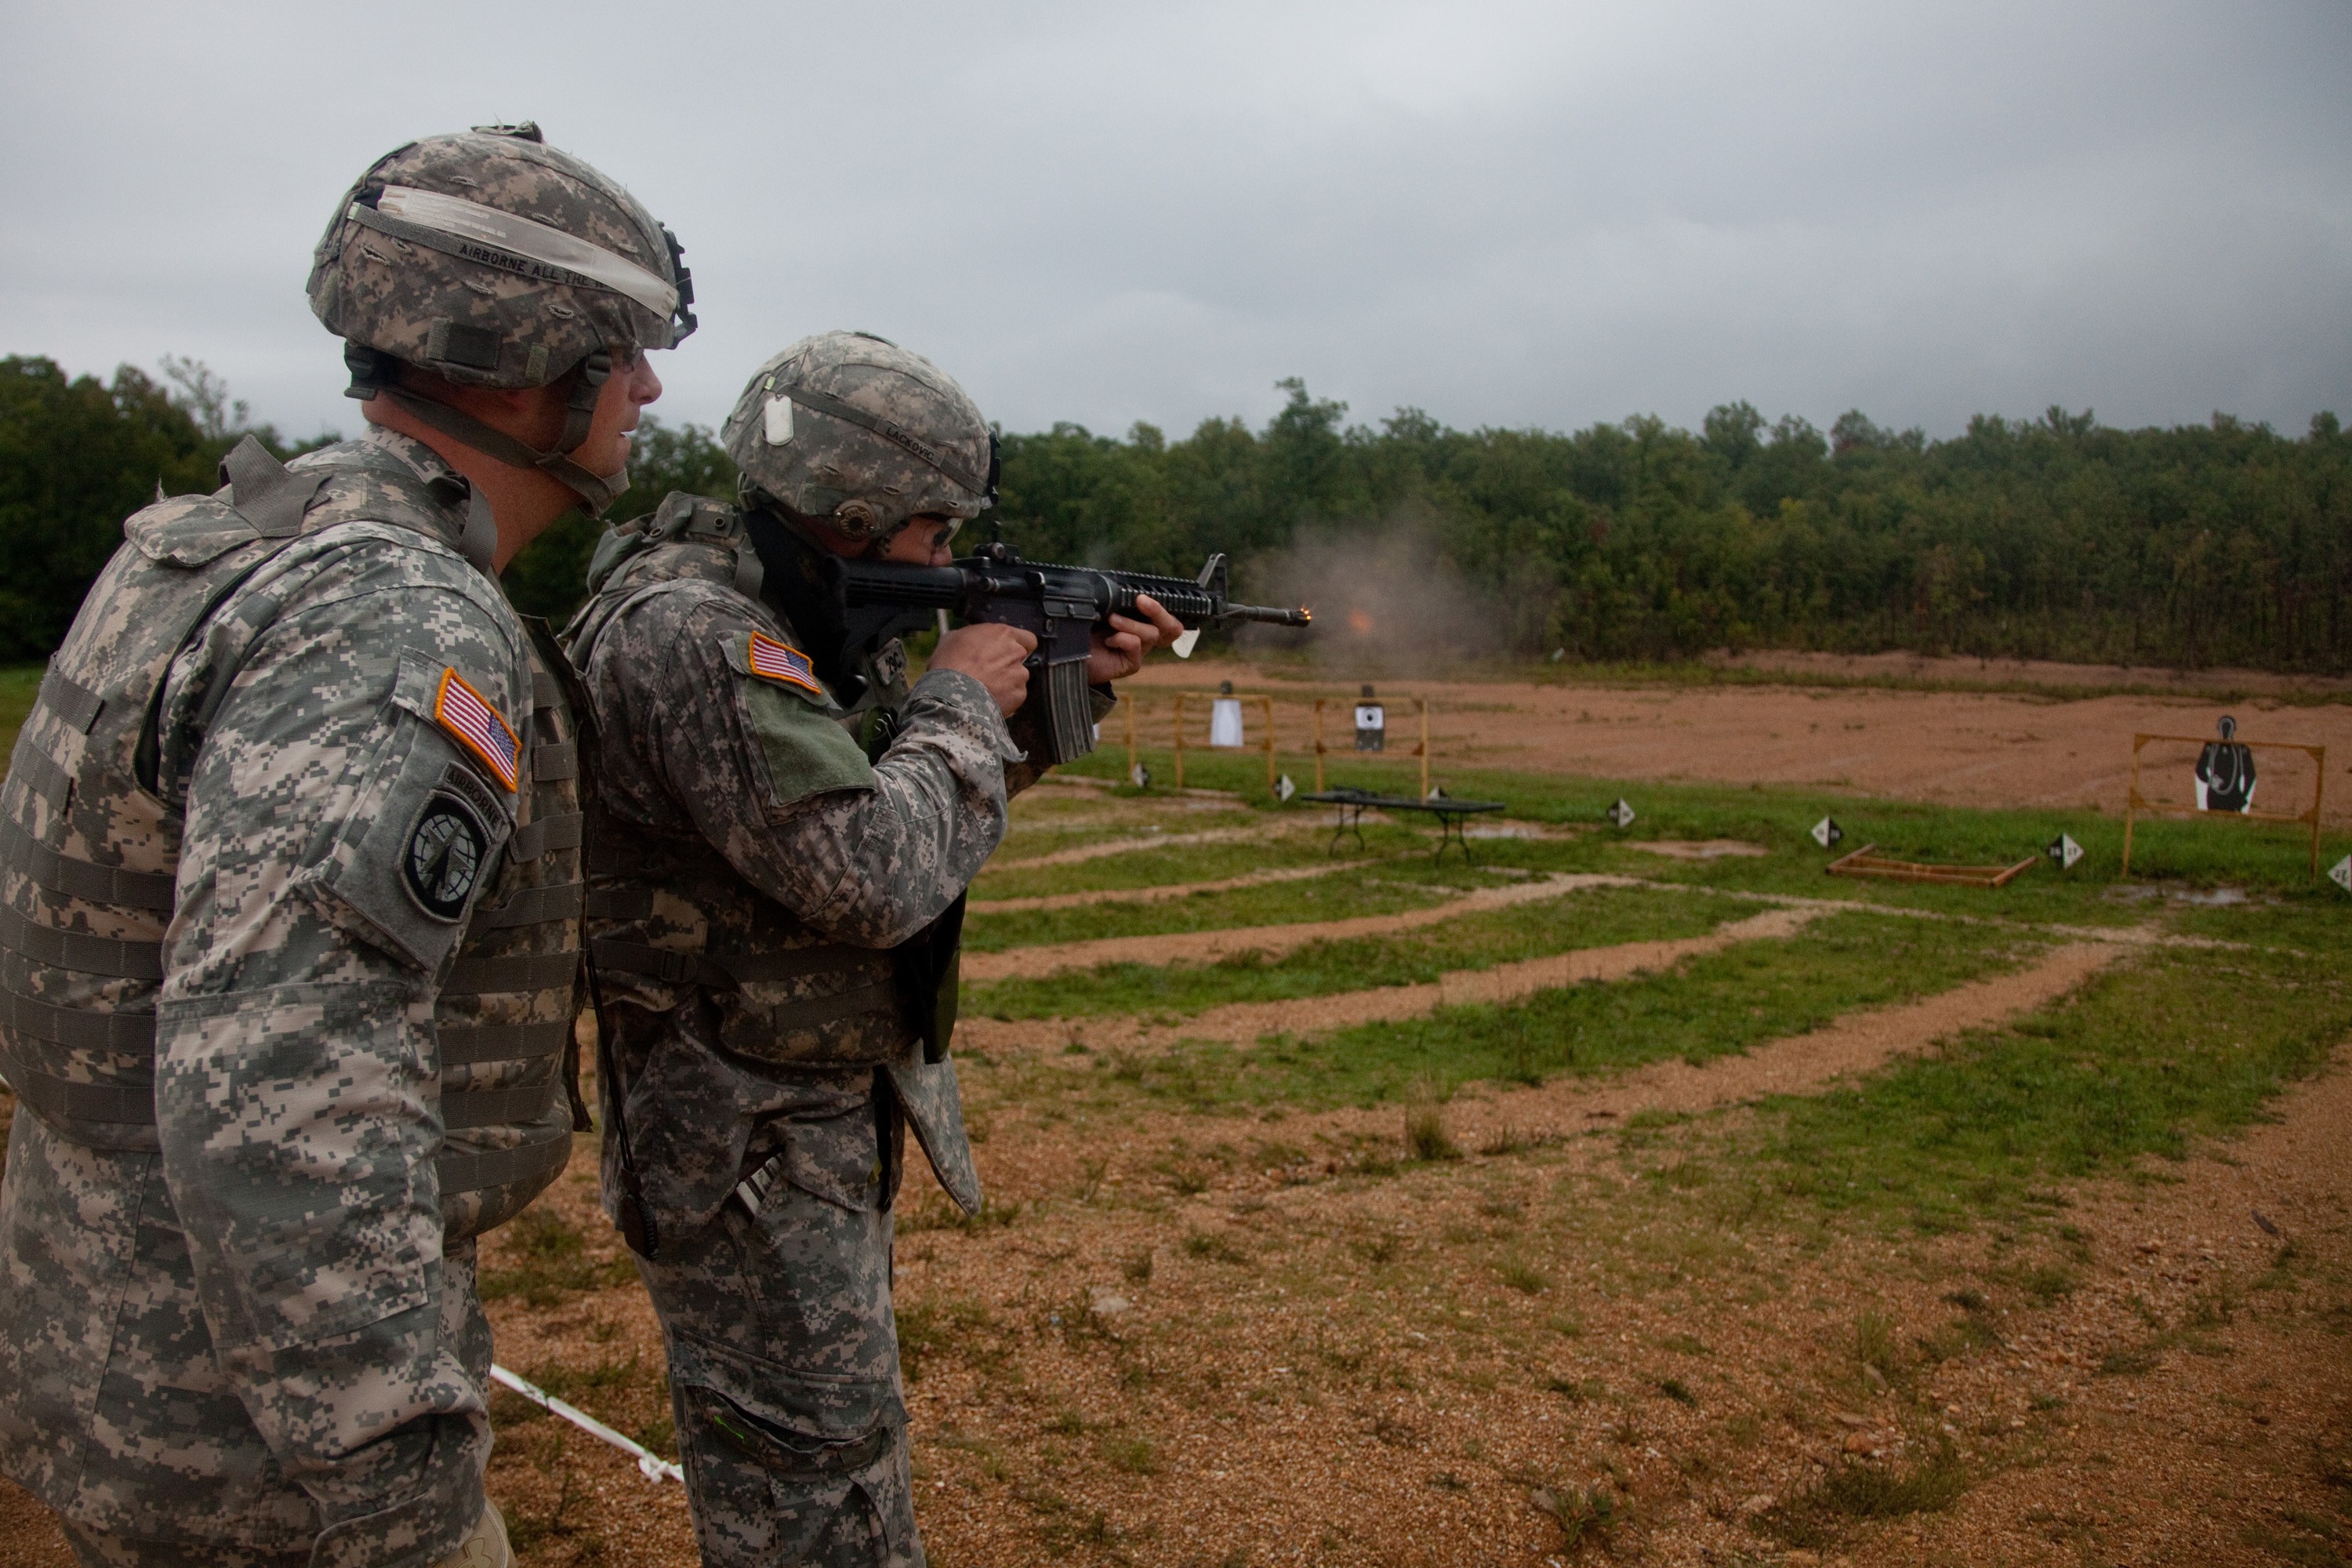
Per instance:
(778,416)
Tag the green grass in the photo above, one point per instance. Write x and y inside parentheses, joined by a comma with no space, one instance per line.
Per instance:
(2170,852)
(1158,867)
(1384,888)
(551,1261)
(1714,1005)
(1598,917)
(1035,832)
(2137,1063)
(1854,1492)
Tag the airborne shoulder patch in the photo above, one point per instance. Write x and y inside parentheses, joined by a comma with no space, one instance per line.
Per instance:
(772,660)
(474,724)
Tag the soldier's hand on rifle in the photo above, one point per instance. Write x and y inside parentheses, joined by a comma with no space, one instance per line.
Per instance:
(1118,653)
(994,655)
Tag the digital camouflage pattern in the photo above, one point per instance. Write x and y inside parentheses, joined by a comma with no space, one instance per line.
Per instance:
(475,318)
(745,822)
(859,433)
(245,1328)
(783,1359)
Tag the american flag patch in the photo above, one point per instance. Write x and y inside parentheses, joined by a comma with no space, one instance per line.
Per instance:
(773,660)
(459,709)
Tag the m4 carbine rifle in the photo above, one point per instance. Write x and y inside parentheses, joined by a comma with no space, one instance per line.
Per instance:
(848,608)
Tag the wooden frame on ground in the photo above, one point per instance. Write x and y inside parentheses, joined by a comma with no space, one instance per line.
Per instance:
(1866,862)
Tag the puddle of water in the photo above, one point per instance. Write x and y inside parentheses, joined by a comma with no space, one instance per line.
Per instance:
(2201,898)
(1700,849)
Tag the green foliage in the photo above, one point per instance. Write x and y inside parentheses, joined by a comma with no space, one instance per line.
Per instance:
(550,576)
(79,456)
(2054,537)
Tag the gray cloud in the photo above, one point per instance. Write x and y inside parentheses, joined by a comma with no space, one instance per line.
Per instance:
(1513,215)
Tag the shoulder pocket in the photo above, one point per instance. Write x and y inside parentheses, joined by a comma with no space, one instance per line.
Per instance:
(796,724)
(415,857)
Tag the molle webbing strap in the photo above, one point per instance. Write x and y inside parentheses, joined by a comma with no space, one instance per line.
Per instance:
(42,776)
(816,1012)
(666,964)
(19,850)
(78,1028)
(546,691)
(792,963)
(70,701)
(115,958)
(463,1045)
(481,1170)
(555,762)
(463,1107)
(533,906)
(890,430)
(725,971)
(63,1099)
(730,972)
(533,839)
(515,972)
(617,903)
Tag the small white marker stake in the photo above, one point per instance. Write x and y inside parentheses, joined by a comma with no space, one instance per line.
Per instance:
(1621,813)
(2341,873)
(650,1465)
(1826,832)
(1140,776)
(2065,851)
(1182,647)
(1284,789)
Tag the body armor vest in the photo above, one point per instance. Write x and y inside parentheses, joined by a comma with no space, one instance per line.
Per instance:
(89,848)
(668,909)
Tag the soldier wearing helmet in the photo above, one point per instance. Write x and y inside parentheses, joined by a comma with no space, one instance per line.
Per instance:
(774,895)
(290,905)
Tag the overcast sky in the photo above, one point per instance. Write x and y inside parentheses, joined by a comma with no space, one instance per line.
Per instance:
(1541,215)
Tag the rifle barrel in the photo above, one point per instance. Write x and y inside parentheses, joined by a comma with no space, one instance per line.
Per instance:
(953,588)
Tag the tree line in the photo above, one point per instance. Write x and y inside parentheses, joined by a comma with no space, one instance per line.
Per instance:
(2220,544)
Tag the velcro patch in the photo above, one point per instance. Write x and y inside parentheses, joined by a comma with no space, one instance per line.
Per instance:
(775,661)
(478,727)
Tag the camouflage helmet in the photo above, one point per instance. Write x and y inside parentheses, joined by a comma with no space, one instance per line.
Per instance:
(492,259)
(851,430)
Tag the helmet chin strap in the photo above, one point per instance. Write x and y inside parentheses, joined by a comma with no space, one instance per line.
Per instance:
(597,492)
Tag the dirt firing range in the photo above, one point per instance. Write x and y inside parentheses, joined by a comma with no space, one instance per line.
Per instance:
(1597,1202)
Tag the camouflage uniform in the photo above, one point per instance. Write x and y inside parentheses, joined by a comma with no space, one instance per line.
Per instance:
(768,860)
(743,823)
(289,922)
(236,1331)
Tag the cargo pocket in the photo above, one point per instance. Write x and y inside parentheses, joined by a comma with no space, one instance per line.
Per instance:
(793,1468)
(425,840)
(803,748)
